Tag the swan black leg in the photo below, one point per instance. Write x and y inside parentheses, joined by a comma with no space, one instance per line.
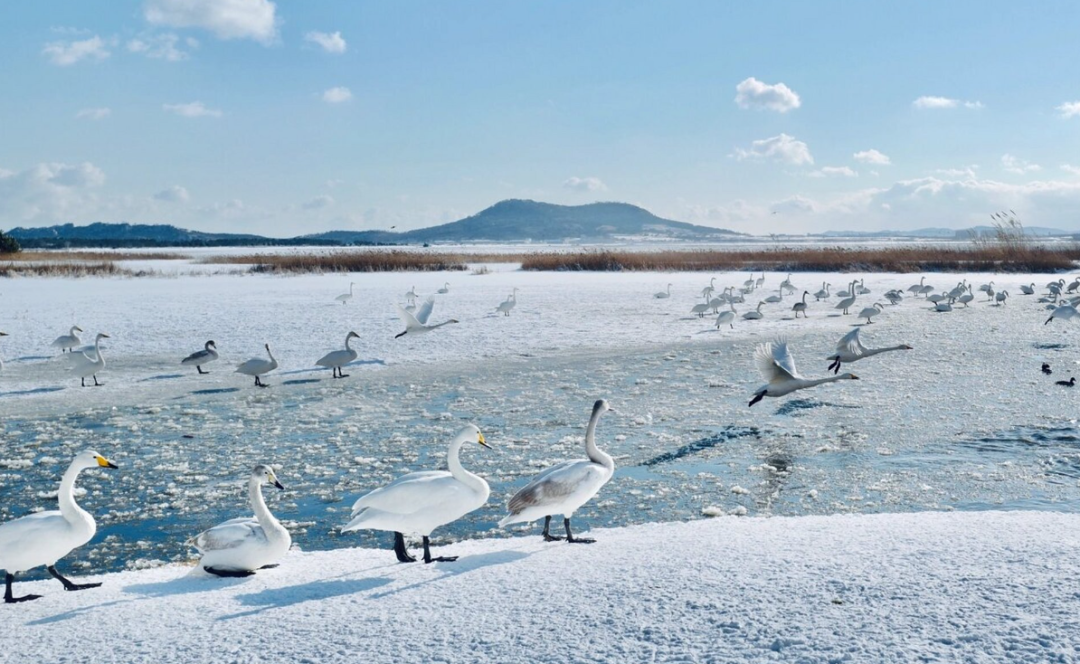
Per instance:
(400,550)
(11,599)
(570,536)
(96,384)
(757,397)
(200,369)
(229,573)
(84,378)
(440,559)
(270,566)
(68,585)
(548,537)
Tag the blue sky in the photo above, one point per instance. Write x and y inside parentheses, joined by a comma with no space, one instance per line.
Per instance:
(296,116)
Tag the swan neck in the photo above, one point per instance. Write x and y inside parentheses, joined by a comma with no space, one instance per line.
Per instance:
(453,463)
(66,496)
(596,455)
(348,338)
(258,504)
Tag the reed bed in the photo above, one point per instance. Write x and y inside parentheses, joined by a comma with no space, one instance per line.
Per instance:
(90,256)
(66,269)
(359,261)
(828,259)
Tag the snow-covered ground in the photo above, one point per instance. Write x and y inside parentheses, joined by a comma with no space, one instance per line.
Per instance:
(930,587)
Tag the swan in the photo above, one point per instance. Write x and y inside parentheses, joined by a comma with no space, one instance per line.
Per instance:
(968,297)
(775,299)
(760,280)
(1064,312)
(850,349)
(418,323)
(339,358)
(862,290)
(1055,286)
(200,357)
(1028,290)
(787,285)
(987,288)
(43,538)
(708,290)
(917,288)
(411,293)
(777,366)
(663,295)
(506,306)
(871,311)
(823,294)
(1001,297)
(257,366)
(68,341)
(944,306)
(90,365)
(937,297)
(801,306)
(565,487)
(445,289)
(755,314)
(420,502)
(926,290)
(848,292)
(238,547)
(845,304)
(345,297)
(727,317)
(894,297)
(1073,285)
(700,309)
(1067,383)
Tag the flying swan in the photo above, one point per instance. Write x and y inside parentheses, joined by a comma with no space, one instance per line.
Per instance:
(418,324)
(777,366)
(850,349)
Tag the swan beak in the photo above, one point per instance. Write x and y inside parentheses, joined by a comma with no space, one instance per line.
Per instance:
(278,484)
(105,463)
(854,377)
(483,443)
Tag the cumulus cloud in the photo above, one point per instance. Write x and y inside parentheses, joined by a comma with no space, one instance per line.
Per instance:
(584,184)
(195,109)
(337,95)
(782,148)
(318,203)
(1068,168)
(65,53)
(174,194)
(828,171)
(49,192)
(968,172)
(160,47)
(1069,109)
(944,102)
(755,94)
(331,42)
(93,114)
(1019,166)
(226,19)
(872,157)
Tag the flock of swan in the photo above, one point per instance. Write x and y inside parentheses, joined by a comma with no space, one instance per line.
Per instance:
(414,504)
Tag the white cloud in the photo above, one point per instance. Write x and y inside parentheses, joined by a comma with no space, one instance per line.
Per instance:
(976,105)
(1075,170)
(159,46)
(584,184)
(872,157)
(756,94)
(195,109)
(318,203)
(781,148)
(968,172)
(1069,109)
(337,95)
(944,102)
(229,209)
(93,114)
(331,42)
(827,171)
(227,19)
(49,192)
(1019,166)
(174,194)
(65,53)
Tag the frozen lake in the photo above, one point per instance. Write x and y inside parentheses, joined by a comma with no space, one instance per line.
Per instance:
(964,421)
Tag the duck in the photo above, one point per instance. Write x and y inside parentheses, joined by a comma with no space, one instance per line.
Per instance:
(1046,369)
(1067,383)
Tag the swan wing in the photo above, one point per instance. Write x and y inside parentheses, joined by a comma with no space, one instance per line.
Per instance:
(231,534)
(553,485)
(410,493)
(775,362)
(406,317)
(849,344)
(195,357)
(425,310)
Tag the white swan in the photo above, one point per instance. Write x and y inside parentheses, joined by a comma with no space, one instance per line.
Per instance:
(345,297)
(411,293)
(966,297)
(708,290)
(986,288)
(198,358)
(257,366)
(240,546)
(1028,290)
(850,349)
(755,314)
(786,285)
(663,295)
(917,288)
(822,294)
(506,306)
(89,365)
(862,289)
(800,307)
(845,303)
(564,487)
(777,366)
(339,358)
(869,312)
(727,317)
(418,324)
(45,537)
(420,502)
(445,289)
(700,309)
(1064,312)
(776,299)
(68,341)
(1001,296)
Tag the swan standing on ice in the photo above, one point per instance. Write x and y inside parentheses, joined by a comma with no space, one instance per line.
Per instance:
(240,546)
(506,306)
(869,312)
(257,366)
(420,502)
(90,365)
(777,366)
(565,487)
(800,306)
(339,358)
(445,289)
(822,294)
(345,297)
(850,349)
(45,537)
(68,341)
(700,309)
(727,317)
(663,295)
(198,358)
(845,304)
(418,323)
(915,289)
(1000,297)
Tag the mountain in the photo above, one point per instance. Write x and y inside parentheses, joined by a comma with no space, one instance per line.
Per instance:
(133,235)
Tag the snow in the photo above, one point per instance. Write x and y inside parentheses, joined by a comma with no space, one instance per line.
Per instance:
(973,587)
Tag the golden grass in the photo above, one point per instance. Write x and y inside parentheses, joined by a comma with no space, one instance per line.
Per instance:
(353,261)
(66,269)
(831,259)
(90,256)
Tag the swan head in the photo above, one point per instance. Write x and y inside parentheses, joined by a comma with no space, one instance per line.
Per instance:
(602,406)
(265,474)
(76,328)
(91,459)
(353,335)
(848,376)
(3,334)
(102,335)
(267,347)
(211,344)
(471,432)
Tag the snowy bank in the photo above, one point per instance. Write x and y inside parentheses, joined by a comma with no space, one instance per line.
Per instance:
(977,587)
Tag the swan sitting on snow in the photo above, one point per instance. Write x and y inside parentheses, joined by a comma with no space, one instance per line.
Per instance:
(257,366)
(755,314)
(240,546)
(777,366)
(68,341)
(663,295)
(1028,290)
(420,502)
(89,365)
(45,537)
(445,289)
(850,349)
(418,324)
(565,487)
(198,358)
(339,358)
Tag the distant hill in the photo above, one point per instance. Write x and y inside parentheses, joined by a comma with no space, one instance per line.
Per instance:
(134,235)
(946,233)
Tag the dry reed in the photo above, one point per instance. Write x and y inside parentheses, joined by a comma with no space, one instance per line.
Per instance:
(359,261)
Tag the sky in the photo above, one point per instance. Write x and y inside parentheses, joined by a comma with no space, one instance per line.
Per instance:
(298,116)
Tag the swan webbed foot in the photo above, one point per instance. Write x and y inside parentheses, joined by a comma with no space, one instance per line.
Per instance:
(570,539)
(68,584)
(757,397)
(272,566)
(343,375)
(229,573)
(439,559)
(548,537)
(200,369)
(401,551)
(9,598)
